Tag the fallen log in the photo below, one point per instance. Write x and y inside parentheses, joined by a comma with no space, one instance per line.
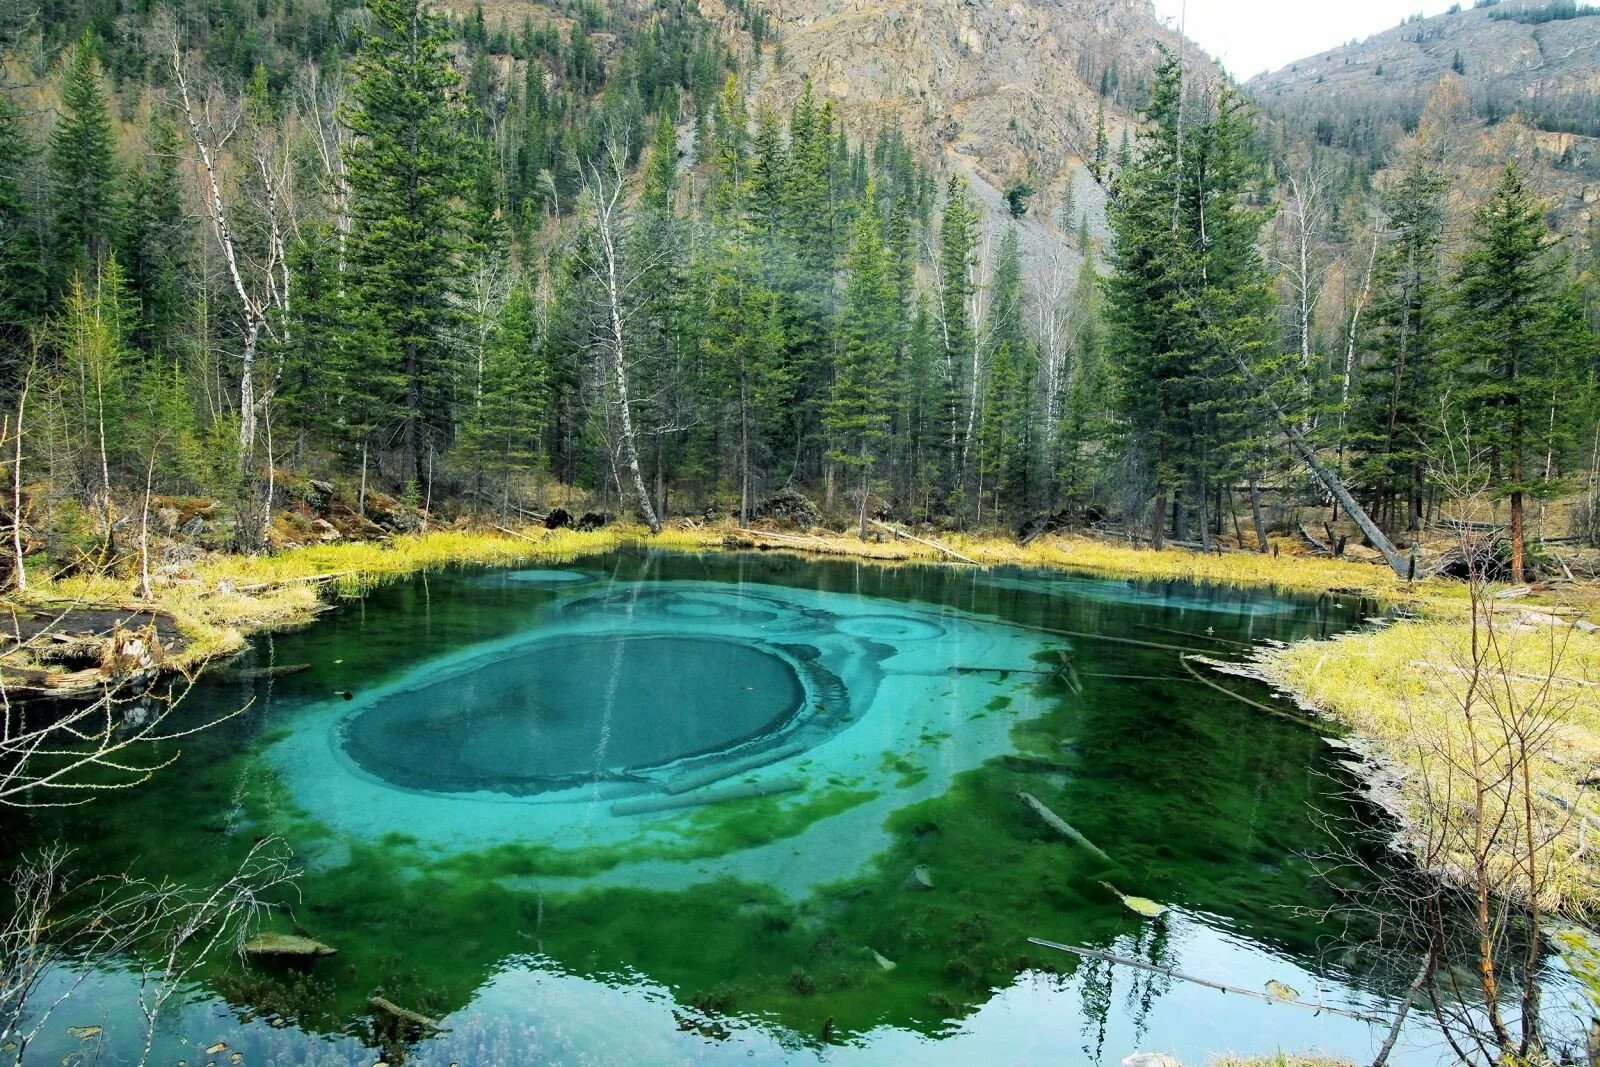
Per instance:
(287,946)
(936,546)
(1219,687)
(520,536)
(404,1016)
(1170,972)
(695,780)
(650,805)
(1315,541)
(1061,826)
(251,674)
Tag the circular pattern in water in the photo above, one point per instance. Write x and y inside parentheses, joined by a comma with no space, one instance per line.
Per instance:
(890,627)
(547,577)
(555,712)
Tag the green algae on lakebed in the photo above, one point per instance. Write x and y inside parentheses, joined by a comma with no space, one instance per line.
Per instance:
(797,909)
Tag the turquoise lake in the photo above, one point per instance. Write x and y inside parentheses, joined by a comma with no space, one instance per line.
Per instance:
(665,808)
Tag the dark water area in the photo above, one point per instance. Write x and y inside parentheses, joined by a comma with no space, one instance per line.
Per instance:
(478,774)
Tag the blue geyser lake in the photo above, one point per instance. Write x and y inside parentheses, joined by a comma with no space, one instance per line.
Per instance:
(649,807)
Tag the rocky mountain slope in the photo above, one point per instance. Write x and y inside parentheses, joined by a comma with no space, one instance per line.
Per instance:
(1514,56)
(1003,91)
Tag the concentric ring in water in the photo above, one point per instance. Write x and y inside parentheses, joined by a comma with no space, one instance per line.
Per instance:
(556,710)
(890,627)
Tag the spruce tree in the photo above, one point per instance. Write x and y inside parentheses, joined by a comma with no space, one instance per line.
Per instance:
(406,166)
(1393,416)
(82,167)
(1513,356)
(155,238)
(22,275)
(859,409)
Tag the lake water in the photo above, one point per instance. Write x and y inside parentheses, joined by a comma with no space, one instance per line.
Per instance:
(649,808)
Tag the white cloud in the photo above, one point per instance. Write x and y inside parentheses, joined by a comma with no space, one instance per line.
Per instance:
(1252,36)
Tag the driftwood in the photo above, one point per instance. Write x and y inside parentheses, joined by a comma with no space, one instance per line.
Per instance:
(262,586)
(696,779)
(1061,826)
(1169,972)
(935,545)
(404,1016)
(649,805)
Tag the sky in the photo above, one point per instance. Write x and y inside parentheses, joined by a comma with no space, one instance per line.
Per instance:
(1252,36)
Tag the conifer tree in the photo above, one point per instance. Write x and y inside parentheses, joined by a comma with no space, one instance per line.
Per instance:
(82,167)
(1393,415)
(22,276)
(155,238)
(859,409)
(406,171)
(1514,358)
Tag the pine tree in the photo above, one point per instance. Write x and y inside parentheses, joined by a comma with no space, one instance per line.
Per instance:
(82,168)
(406,169)
(1513,356)
(502,431)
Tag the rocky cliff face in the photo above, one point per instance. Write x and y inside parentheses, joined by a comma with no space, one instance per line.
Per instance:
(1002,91)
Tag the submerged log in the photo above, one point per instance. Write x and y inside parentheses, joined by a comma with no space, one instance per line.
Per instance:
(251,674)
(1061,826)
(287,946)
(695,780)
(1034,765)
(404,1016)
(649,805)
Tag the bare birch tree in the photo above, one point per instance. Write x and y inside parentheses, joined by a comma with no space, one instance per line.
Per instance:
(616,282)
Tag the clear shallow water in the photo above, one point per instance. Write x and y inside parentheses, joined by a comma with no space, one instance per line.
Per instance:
(456,767)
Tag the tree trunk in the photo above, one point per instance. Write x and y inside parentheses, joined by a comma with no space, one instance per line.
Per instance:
(1517,537)
(1255,514)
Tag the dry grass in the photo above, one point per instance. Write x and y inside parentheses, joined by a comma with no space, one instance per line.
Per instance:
(224,598)
(1402,687)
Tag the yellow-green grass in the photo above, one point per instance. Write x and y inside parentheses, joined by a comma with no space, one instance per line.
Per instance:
(1405,689)
(222,599)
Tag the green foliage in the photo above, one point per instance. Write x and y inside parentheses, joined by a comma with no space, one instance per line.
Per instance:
(406,170)
(82,168)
